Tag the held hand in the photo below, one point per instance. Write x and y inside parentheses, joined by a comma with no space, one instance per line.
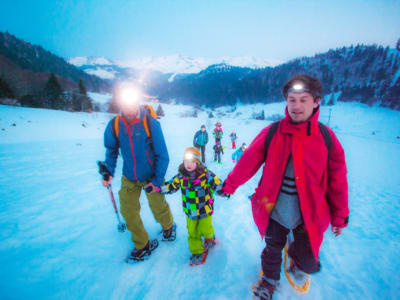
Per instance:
(106,183)
(221,193)
(336,230)
(150,188)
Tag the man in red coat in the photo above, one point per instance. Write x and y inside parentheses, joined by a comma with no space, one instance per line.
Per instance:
(303,188)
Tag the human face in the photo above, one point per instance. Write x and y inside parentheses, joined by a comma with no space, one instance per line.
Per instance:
(203,129)
(301,106)
(190,165)
(130,112)
(130,102)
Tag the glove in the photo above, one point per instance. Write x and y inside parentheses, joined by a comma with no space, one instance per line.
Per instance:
(103,170)
(234,160)
(221,192)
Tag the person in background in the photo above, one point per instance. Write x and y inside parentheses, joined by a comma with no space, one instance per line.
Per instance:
(233,137)
(238,153)
(200,141)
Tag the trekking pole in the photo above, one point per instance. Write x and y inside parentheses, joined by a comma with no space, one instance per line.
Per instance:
(106,175)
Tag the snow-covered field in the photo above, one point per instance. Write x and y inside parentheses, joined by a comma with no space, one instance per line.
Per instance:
(59,236)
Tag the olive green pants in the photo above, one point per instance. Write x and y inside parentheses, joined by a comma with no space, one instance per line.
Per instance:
(129,196)
(196,230)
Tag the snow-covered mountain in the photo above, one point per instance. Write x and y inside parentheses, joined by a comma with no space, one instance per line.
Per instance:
(177,64)
(183,64)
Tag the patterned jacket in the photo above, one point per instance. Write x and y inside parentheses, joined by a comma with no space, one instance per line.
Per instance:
(197,194)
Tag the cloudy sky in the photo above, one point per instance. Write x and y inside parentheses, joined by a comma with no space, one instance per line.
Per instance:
(268,29)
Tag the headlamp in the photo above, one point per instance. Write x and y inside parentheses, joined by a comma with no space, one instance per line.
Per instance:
(188,156)
(299,88)
(130,97)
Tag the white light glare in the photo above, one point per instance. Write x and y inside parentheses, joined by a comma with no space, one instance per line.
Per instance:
(130,96)
(298,87)
(189,156)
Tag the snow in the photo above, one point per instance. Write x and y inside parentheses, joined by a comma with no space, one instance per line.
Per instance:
(84,60)
(104,74)
(183,64)
(58,230)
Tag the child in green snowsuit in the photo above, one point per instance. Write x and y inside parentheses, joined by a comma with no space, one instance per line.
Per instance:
(197,185)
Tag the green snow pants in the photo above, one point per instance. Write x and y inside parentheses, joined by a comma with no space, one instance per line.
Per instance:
(196,230)
(129,196)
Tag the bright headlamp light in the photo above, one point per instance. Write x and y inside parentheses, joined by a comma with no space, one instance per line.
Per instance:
(130,97)
(299,87)
(188,156)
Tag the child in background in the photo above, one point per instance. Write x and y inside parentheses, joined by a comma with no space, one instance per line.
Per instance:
(218,149)
(233,137)
(218,133)
(238,153)
(197,185)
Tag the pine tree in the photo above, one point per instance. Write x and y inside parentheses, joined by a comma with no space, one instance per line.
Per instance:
(53,93)
(82,88)
(160,111)
(210,115)
(5,90)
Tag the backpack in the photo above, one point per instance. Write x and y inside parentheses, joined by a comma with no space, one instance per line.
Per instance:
(149,112)
(274,127)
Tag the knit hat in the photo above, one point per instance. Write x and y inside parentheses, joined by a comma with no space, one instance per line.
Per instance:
(192,154)
(203,126)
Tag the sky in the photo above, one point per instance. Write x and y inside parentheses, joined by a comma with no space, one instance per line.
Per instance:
(268,29)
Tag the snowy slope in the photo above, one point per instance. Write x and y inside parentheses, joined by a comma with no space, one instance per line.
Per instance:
(58,230)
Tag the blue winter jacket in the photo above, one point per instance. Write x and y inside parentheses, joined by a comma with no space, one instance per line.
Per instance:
(141,163)
(237,154)
(200,138)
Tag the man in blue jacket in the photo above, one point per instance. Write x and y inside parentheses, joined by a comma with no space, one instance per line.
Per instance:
(200,141)
(139,137)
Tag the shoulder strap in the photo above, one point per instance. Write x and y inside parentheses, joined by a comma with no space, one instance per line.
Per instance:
(116,125)
(271,132)
(149,111)
(115,128)
(327,137)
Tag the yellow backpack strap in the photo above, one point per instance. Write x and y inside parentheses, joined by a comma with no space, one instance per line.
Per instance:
(149,111)
(152,111)
(116,125)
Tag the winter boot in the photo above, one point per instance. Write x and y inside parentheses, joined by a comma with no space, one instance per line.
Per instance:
(169,235)
(198,259)
(210,243)
(297,273)
(138,255)
(265,288)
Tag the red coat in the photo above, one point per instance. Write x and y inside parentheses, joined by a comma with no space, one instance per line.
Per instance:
(317,180)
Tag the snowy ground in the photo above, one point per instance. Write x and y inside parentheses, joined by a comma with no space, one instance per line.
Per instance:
(58,230)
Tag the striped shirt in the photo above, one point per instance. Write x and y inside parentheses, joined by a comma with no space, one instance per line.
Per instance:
(287,208)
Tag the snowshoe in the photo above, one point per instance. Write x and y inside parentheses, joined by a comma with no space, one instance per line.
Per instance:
(210,243)
(296,272)
(198,259)
(169,235)
(138,255)
(302,281)
(264,288)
